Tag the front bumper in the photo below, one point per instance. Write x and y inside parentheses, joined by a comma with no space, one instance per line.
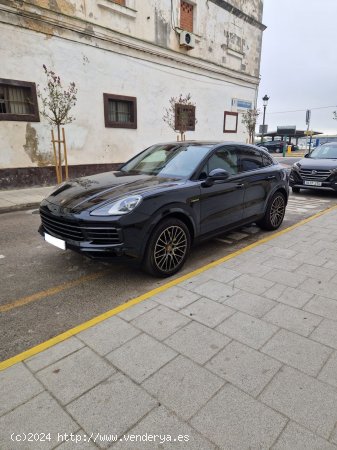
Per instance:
(103,238)
(295,180)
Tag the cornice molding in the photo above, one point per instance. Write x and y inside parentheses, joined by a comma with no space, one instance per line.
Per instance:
(92,33)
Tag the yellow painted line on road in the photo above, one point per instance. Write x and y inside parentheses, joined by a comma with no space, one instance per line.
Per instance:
(84,326)
(51,291)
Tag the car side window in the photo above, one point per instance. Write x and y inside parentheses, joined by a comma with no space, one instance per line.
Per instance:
(267,160)
(223,158)
(250,159)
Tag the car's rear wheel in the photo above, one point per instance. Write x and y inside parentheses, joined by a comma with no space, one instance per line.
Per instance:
(274,214)
(277,150)
(296,190)
(168,248)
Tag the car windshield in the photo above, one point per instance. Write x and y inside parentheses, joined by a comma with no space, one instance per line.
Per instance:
(170,160)
(324,152)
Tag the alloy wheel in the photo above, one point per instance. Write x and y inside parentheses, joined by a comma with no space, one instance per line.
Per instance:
(170,248)
(277,211)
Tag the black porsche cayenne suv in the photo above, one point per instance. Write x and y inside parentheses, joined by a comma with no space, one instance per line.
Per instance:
(164,199)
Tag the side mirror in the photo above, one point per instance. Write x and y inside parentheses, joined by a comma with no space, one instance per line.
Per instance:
(216,175)
(307,155)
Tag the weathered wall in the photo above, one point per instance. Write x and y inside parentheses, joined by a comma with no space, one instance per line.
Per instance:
(100,60)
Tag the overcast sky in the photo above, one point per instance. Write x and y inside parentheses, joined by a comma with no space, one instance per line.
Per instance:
(299,63)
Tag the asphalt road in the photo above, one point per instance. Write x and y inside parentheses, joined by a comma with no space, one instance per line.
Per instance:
(45,291)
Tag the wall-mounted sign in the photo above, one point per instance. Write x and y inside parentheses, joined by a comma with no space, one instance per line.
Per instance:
(241,104)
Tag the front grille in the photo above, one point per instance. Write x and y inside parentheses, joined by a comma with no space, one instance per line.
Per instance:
(65,229)
(320,175)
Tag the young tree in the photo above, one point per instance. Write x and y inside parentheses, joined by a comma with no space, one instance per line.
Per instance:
(249,119)
(180,115)
(57,103)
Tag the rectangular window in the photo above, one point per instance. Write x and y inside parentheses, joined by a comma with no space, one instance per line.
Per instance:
(184,117)
(186,16)
(120,111)
(18,101)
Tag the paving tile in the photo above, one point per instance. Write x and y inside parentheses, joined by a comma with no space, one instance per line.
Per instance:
(234,420)
(244,367)
(252,284)
(323,307)
(303,399)
(176,298)
(334,436)
(183,386)
(297,351)
(113,406)
(75,374)
(282,263)
(208,312)
(285,277)
(108,335)
(315,260)
(279,251)
(215,290)
(294,297)
(329,371)
(318,273)
(164,423)
(197,342)
(53,354)
(253,269)
(17,386)
(275,291)
(39,415)
(293,319)
(222,273)
(326,333)
(136,310)
(247,329)
(326,289)
(160,322)
(193,282)
(141,357)
(295,437)
(252,304)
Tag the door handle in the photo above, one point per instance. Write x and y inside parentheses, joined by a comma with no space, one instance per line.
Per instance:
(271,177)
(239,186)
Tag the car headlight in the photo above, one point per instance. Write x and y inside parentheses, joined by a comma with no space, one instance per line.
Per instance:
(296,166)
(122,206)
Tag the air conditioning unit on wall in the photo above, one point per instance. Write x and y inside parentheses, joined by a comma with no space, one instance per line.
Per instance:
(187,40)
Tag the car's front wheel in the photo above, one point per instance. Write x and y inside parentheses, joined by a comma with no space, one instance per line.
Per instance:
(168,248)
(275,211)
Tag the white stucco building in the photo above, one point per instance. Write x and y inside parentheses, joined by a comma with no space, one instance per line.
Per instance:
(139,53)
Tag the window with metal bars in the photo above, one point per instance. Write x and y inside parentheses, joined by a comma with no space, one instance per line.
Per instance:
(184,117)
(120,111)
(18,101)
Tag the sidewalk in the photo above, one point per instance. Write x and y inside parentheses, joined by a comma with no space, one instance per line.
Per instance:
(240,356)
(14,200)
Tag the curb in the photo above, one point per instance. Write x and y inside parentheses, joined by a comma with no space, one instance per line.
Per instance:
(8,209)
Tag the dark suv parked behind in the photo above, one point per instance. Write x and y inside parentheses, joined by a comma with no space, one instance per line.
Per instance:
(163,200)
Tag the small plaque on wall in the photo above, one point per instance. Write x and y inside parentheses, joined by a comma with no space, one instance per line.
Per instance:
(230,123)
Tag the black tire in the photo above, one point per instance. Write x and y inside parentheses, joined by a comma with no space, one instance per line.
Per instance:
(168,248)
(295,190)
(277,150)
(274,214)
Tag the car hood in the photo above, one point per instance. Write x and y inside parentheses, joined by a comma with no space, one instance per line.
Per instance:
(89,192)
(321,164)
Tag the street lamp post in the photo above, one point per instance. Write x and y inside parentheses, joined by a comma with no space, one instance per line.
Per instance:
(265,103)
